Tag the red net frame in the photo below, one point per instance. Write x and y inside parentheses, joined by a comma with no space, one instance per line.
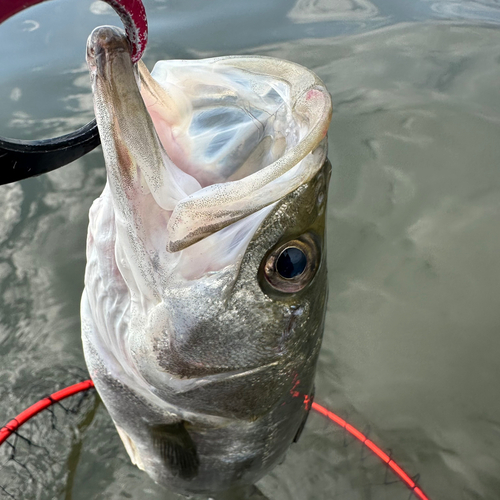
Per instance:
(13,425)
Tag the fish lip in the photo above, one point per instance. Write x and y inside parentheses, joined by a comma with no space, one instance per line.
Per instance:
(105,45)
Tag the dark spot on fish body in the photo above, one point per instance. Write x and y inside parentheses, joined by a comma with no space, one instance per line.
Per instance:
(177,448)
(291,316)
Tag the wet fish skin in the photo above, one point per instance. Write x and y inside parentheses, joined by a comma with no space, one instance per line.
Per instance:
(204,378)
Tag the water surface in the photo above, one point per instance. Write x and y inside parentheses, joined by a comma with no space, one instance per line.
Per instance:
(412,340)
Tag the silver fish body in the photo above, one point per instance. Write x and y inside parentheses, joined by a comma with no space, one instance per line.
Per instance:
(206,286)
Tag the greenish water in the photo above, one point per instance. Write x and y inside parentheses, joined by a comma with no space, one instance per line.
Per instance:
(412,342)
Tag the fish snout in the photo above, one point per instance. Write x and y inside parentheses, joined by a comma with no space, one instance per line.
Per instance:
(104,44)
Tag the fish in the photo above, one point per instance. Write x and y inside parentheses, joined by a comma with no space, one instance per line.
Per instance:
(206,283)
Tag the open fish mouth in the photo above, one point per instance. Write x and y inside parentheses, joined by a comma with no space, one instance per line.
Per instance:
(235,134)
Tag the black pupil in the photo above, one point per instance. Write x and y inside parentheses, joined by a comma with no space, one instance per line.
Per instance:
(291,262)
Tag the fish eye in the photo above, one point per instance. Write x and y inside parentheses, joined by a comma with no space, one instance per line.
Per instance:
(291,266)
(291,262)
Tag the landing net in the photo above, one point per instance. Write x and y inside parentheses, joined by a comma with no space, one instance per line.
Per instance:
(35,463)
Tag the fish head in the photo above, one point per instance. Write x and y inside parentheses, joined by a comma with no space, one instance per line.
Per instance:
(205,285)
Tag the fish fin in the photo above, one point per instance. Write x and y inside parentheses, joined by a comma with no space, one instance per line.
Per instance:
(130,447)
(176,448)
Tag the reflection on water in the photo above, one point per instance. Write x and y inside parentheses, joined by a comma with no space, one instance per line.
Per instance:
(411,346)
(310,11)
(101,8)
(485,11)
